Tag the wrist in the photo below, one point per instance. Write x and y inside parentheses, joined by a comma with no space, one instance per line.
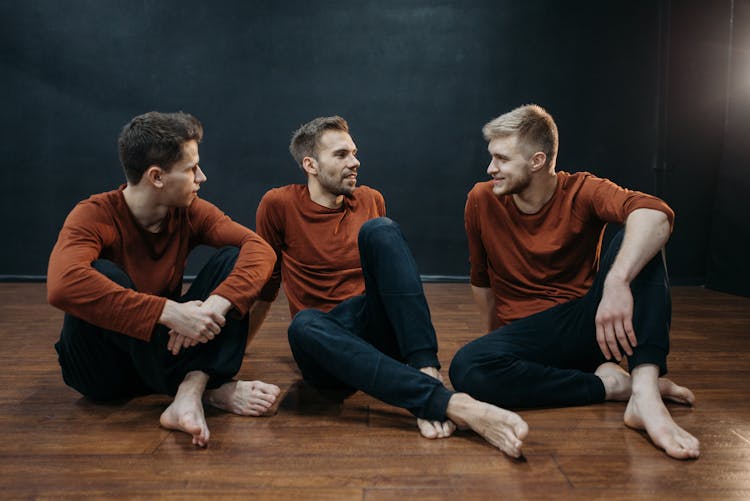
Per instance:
(168,313)
(617,277)
(218,303)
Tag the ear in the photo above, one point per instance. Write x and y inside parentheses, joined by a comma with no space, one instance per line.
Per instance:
(310,166)
(155,176)
(538,160)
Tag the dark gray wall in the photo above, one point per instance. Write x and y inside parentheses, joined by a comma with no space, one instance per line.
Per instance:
(416,80)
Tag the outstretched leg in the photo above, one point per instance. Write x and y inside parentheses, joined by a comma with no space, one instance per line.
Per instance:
(646,411)
(185,413)
(331,356)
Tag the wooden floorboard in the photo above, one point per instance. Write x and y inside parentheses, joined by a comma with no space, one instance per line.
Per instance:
(59,445)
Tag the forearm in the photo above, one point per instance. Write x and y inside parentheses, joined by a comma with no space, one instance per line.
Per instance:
(485,301)
(646,233)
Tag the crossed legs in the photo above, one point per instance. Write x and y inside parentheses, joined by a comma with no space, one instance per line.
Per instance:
(105,365)
(552,359)
(384,344)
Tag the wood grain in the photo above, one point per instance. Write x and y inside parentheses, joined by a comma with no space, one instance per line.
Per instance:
(59,445)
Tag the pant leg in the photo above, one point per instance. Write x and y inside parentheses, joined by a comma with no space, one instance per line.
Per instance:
(652,306)
(331,356)
(547,359)
(397,317)
(103,364)
(96,362)
(220,358)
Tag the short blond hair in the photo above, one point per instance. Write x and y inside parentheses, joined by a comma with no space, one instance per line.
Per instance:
(532,124)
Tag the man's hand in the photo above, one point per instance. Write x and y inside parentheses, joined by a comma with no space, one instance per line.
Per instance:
(193,322)
(614,319)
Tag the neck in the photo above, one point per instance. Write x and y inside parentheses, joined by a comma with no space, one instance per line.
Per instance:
(322,197)
(143,206)
(538,193)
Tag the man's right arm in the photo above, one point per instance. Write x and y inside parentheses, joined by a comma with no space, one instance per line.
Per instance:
(485,301)
(74,286)
(480,283)
(268,227)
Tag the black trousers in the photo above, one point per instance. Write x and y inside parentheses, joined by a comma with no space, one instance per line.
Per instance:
(548,359)
(376,342)
(103,365)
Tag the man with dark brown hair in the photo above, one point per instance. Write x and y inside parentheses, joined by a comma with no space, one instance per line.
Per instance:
(116,270)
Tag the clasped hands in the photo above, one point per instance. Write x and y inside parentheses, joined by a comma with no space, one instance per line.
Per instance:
(194,322)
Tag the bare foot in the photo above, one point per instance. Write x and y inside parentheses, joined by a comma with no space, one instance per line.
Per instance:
(503,429)
(435,429)
(646,411)
(674,392)
(246,398)
(185,413)
(618,385)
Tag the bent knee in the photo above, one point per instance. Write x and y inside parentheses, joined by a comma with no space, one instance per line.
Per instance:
(473,373)
(376,225)
(298,328)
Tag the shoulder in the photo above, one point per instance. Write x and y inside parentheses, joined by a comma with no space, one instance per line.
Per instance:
(278,197)
(364,193)
(99,207)
(481,191)
(201,207)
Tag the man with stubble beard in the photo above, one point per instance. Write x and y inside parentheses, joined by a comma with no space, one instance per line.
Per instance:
(361,321)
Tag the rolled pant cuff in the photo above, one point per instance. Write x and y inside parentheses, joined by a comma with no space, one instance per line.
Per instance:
(649,355)
(596,390)
(438,404)
(424,358)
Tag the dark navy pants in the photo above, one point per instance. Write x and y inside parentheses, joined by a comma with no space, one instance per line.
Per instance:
(376,342)
(548,359)
(103,365)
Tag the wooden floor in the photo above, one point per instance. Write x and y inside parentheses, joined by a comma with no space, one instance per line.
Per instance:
(59,445)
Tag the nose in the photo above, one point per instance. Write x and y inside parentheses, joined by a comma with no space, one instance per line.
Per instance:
(492,168)
(200,177)
(353,162)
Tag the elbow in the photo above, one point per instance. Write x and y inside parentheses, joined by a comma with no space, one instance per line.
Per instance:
(269,261)
(55,296)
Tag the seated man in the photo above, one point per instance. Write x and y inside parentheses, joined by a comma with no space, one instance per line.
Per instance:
(361,320)
(534,240)
(116,270)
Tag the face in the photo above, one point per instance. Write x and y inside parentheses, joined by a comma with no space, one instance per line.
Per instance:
(510,167)
(182,182)
(337,163)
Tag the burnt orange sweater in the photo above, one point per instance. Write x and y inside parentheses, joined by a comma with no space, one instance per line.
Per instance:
(316,247)
(535,261)
(103,227)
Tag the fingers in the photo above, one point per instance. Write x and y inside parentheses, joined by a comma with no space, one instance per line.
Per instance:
(630,332)
(614,335)
(611,337)
(601,340)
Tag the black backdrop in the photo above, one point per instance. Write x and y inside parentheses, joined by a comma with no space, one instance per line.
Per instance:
(416,80)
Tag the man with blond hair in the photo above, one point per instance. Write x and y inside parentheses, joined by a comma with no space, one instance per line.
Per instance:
(556,311)
(361,321)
